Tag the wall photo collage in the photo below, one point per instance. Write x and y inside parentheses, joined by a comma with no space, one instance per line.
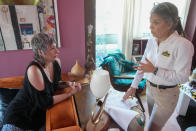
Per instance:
(19,23)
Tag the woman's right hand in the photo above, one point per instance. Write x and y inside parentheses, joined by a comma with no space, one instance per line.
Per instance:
(130,92)
(75,87)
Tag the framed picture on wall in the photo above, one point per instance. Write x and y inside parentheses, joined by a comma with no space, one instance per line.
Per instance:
(2,46)
(48,18)
(19,23)
(136,49)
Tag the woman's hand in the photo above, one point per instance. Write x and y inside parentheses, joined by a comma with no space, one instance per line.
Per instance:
(130,92)
(145,67)
(63,84)
(75,87)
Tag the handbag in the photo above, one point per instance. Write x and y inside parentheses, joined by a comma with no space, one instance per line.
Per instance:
(138,123)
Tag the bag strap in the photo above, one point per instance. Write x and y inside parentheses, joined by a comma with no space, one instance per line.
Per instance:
(140,102)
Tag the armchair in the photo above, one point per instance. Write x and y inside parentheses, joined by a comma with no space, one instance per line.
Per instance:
(61,117)
(121,72)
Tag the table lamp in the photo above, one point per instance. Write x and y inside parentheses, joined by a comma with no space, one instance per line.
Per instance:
(99,85)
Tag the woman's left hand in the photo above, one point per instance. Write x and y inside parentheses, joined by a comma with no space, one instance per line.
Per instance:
(75,87)
(145,67)
(63,84)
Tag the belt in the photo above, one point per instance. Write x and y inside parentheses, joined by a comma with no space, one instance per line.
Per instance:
(161,86)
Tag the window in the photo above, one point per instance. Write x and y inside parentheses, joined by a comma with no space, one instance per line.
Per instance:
(108,27)
(142,15)
(109,17)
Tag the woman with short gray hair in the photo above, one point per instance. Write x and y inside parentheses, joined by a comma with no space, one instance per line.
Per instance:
(40,43)
(27,111)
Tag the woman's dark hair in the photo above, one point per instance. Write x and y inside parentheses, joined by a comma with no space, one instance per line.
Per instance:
(169,12)
(41,42)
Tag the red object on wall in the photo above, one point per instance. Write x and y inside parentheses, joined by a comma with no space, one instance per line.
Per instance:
(50,21)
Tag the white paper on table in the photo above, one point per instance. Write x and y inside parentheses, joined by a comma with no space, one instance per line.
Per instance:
(119,110)
(115,99)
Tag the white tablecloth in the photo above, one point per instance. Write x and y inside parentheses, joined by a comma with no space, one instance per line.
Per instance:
(120,110)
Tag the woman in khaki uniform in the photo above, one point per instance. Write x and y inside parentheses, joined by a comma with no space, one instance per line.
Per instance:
(165,64)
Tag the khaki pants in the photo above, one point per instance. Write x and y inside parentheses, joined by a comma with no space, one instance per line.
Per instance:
(161,103)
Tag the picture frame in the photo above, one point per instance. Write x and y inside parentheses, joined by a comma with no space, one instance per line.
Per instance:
(136,49)
(2,46)
(48,19)
(18,27)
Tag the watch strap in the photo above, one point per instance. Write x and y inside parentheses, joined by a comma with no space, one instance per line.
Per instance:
(155,71)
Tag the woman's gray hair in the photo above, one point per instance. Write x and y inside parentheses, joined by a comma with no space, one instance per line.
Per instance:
(41,42)
(169,13)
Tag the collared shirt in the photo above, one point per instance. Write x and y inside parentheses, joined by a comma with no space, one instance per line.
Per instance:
(173,57)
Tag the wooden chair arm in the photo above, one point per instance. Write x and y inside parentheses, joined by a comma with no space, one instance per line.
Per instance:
(123,77)
(16,81)
(70,128)
(62,115)
(12,82)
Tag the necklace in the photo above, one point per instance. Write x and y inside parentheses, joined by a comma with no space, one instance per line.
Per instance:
(49,72)
(48,69)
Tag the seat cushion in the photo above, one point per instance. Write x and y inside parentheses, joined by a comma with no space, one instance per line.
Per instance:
(113,66)
(6,96)
(117,65)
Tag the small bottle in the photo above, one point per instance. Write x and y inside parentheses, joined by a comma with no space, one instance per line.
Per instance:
(77,70)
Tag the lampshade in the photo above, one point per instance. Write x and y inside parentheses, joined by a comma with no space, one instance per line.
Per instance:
(100,83)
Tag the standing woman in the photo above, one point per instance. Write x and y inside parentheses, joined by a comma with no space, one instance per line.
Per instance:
(165,64)
(27,111)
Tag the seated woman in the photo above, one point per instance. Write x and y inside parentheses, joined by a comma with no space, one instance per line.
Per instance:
(27,111)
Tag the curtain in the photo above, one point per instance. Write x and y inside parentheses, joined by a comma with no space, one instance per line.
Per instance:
(127,29)
(184,13)
(136,17)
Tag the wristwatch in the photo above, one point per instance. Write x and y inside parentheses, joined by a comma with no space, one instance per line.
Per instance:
(155,71)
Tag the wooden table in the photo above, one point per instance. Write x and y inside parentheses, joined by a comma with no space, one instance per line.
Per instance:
(85,101)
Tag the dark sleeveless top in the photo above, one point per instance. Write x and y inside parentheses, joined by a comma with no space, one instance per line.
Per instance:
(28,108)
